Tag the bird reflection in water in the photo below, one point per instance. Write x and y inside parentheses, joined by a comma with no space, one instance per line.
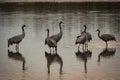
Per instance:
(83,56)
(52,58)
(18,57)
(107,53)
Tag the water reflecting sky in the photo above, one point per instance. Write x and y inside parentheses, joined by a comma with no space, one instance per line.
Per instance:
(33,49)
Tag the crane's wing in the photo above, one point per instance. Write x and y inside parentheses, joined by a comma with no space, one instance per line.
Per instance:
(80,39)
(56,37)
(52,42)
(108,37)
(15,39)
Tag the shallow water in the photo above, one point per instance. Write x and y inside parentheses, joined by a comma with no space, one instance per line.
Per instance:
(99,64)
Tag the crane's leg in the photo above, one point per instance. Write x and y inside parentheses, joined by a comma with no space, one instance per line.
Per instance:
(50,49)
(87,44)
(99,58)
(56,49)
(53,50)
(83,47)
(106,44)
(78,46)
(17,48)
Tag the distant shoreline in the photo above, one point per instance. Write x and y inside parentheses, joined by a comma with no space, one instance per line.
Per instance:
(63,6)
(60,2)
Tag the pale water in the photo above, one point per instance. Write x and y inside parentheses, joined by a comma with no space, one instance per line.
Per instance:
(98,65)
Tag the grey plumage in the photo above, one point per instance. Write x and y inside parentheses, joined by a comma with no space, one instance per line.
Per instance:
(50,42)
(88,35)
(81,40)
(106,37)
(17,39)
(58,36)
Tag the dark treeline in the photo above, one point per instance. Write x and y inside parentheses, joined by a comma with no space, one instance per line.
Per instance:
(63,6)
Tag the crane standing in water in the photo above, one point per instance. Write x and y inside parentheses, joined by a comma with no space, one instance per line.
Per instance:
(88,36)
(81,40)
(56,37)
(106,37)
(17,39)
(51,42)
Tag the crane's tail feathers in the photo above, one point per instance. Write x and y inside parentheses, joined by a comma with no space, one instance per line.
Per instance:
(75,43)
(115,39)
(45,43)
(8,45)
(8,51)
(91,39)
(8,42)
(46,54)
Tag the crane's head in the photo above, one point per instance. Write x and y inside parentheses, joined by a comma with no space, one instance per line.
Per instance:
(61,22)
(24,25)
(85,26)
(78,36)
(98,30)
(47,29)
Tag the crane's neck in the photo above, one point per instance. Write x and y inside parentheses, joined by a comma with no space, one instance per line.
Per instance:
(84,30)
(23,32)
(99,34)
(60,28)
(48,34)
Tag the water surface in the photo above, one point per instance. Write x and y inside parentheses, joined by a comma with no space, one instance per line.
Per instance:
(99,64)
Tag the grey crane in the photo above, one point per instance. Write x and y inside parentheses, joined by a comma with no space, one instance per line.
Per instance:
(106,37)
(81,40)
(17,39)
(58,36)
(88,35)
(51,42)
